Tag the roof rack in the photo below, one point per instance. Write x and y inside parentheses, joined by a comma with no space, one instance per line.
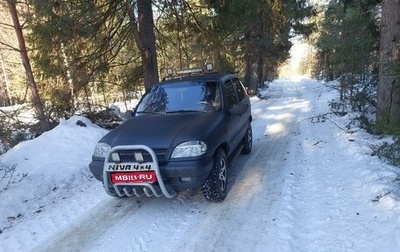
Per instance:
(189,71)
(208,68)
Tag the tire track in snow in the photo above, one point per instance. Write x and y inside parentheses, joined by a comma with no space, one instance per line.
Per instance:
(285,213)
(87,229)
(320,195)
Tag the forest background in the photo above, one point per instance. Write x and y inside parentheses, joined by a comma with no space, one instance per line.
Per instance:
(60,58)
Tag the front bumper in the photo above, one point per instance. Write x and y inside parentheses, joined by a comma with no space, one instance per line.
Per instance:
(175,176)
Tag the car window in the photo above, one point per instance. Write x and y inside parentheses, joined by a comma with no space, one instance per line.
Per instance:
(202,96)
(231,96)
(241,92)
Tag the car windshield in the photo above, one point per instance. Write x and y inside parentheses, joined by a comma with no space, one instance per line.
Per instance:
(190,96)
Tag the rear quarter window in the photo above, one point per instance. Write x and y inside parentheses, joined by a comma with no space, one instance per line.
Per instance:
(241,92)
(231,96)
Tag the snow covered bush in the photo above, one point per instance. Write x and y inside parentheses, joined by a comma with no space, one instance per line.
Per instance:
(389,151)
(9,176)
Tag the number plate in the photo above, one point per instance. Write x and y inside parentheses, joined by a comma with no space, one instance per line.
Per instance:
(134,177)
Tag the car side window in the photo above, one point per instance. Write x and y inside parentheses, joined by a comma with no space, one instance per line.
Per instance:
(231,96)
(241,92)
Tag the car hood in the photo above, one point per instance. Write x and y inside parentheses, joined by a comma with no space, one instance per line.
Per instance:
(164,131)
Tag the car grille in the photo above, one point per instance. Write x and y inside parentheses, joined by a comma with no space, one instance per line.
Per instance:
(128,155)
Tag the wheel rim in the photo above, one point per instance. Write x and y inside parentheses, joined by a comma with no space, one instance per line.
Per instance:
(222,174)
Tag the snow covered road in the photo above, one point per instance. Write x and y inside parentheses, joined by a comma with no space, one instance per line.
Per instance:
(308,185)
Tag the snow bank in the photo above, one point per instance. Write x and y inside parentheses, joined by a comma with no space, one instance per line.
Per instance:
(54,160)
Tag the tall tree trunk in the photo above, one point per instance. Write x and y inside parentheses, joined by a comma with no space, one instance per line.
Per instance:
(261,68)
(388,107)
(250,78)
(251,60)
(37,103)
(70,79)
(7,95)
(143,33)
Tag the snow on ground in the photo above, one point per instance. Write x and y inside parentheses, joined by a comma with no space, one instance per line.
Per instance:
(308,185)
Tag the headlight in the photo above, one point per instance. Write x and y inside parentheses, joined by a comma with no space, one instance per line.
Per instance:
(189,149)
(101,150)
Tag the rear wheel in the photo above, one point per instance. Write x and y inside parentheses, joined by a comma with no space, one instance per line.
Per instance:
(214,189)
(248,141)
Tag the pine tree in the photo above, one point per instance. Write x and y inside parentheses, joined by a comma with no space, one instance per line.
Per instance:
(37,103)
(259,32)
(388,110)
(142,28)
(84,50)
(347,44)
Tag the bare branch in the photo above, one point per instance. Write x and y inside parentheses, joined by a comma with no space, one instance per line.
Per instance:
(9,47)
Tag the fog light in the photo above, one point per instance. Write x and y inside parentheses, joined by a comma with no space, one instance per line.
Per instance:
(115,157)
(186,179)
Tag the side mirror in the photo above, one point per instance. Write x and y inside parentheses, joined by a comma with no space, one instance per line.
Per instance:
(128,114)
(239,108)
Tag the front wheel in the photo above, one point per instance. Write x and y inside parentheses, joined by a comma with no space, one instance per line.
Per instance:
(214,189)
(111,191)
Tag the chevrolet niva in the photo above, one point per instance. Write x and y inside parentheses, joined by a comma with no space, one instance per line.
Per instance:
(182,135)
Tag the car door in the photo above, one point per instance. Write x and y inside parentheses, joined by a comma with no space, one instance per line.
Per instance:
(244,101)
(234,122)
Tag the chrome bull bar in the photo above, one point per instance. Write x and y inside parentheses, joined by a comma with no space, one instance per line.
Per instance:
(131,189)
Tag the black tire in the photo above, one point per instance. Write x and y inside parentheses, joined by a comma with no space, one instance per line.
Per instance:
(214,189)
(248,141)
(113,193)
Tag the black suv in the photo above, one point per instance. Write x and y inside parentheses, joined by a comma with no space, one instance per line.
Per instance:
(183,134)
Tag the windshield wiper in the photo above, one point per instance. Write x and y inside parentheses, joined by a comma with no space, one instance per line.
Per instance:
(149,112)
(184,111)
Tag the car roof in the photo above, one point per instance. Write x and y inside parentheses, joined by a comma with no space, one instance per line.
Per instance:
(197,77)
